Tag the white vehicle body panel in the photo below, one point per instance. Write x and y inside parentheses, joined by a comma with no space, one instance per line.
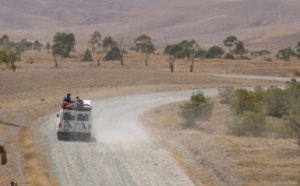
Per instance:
(75,120)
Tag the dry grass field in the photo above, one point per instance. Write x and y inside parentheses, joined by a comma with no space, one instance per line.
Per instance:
(211,155)
(35,90)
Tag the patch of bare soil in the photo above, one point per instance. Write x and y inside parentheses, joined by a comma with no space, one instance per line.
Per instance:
(212,157)
(36,90)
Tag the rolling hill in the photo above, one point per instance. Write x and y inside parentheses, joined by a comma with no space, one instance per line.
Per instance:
(207,21)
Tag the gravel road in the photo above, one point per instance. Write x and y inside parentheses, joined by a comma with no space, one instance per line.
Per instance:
(252,77)
(122,153)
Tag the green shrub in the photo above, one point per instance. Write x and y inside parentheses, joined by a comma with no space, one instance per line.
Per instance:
(200,53)
(87,55)
(292,120)
(282,105)
(247,124)
(229,56)
(277,128)
(199,108)
(245,100)
(245,58)
(214,52)
(239,48)
(259,94)
(277,101)
(293,89)
(260,53)
(113,54)
(286,54)
(8,58)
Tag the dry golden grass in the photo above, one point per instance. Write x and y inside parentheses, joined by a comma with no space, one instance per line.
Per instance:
(257,161)
(36,90)
(35,162)
(213,157)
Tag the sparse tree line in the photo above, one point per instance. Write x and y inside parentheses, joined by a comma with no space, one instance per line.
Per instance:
(64,43)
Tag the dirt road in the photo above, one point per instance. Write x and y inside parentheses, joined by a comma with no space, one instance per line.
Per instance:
(123,153)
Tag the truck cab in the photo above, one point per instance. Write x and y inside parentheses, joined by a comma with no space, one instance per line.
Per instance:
(75,121)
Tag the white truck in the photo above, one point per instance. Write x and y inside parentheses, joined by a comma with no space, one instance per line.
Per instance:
(75,122)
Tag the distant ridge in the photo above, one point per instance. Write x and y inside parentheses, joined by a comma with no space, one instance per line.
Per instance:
(207,21)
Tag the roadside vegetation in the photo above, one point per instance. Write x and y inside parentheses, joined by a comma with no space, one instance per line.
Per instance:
(262,113)
(258,113)
(199,108)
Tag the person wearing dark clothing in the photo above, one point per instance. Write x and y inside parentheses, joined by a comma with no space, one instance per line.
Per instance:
(67,102)
(68,98)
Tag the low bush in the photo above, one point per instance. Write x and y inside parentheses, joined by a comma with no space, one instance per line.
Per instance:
(281,106)
(286,54)
(199,108)
(277,101)
(87,55)
(245,100)
(229,56)
(113,54)
(247,124)
(260,53)
(245,58)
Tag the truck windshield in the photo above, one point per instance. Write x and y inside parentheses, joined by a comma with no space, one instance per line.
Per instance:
(82,117)
(68,116)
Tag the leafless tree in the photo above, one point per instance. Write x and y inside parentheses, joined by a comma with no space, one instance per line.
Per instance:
(171,62)
(192,60)
(121,52)
(55,61)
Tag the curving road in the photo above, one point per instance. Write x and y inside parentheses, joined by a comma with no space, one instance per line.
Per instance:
(123,153)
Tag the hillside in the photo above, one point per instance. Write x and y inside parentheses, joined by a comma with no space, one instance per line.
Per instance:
(209,22)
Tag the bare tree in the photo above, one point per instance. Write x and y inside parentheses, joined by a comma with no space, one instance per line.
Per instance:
(3,156)
(192,60)
(192,45)
(55,61)
(121,52)
(171,62)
